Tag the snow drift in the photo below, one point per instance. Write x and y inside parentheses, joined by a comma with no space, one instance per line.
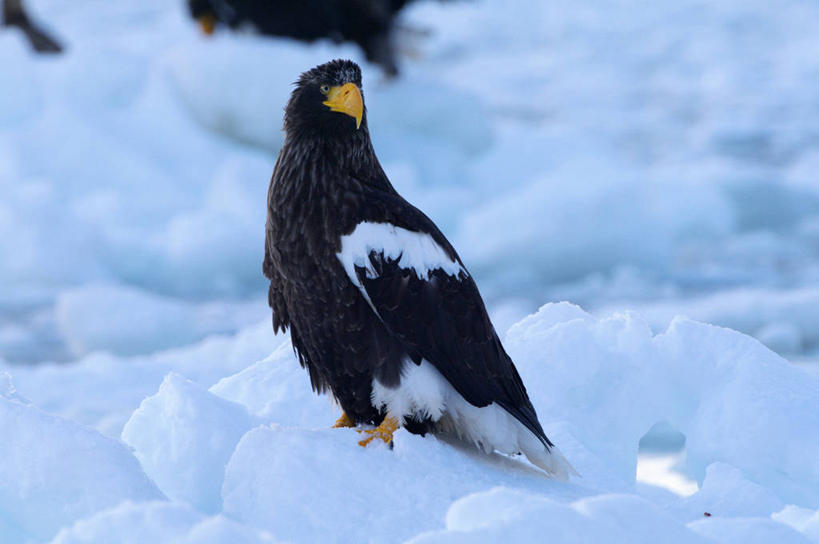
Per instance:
(257,452)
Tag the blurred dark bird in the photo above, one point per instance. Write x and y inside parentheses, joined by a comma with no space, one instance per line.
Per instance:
(15,15)
(381,310)
(368,23)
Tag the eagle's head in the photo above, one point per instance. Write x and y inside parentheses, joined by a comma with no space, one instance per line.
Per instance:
(327,101)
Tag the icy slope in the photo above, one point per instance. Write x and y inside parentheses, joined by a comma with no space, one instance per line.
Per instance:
(254,456)
(55,471)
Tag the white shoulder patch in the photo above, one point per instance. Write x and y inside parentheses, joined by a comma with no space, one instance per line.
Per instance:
(414,251)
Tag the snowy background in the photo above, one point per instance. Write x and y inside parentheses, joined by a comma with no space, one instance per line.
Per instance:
(642,160)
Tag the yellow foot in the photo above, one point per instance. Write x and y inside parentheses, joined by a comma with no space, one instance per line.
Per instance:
(344,421)
(383,432)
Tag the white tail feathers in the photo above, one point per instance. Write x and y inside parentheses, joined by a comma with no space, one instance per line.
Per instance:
(425,392)
(551,460)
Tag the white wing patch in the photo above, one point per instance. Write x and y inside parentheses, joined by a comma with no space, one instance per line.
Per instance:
(415,251)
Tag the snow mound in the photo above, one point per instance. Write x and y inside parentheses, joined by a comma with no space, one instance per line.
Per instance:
(785,320)
(726,493)
(734,400)
(157,521)
(319,485)
(7,389)
(82,391)
(250,109)
(508,515)
(747,531)
(270,388)
(674,140)
(183,436)
(801,519)
(55,471)
(129,321)
(24,98)
(633,205)
(598,384)
(434,117)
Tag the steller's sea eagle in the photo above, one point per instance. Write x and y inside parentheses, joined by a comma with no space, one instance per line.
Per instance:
(381,310)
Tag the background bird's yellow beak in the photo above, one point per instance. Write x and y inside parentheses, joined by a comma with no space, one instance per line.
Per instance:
(346,99)
(207,23)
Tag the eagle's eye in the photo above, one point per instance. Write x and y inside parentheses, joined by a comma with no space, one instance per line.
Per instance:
(325,89)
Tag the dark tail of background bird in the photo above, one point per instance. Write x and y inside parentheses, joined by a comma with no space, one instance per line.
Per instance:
(368,23)
(14,14)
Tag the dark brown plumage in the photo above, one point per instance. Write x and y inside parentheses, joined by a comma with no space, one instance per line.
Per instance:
(362,320)
(14,14)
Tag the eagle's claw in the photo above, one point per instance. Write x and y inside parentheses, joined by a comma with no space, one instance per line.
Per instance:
(383,432)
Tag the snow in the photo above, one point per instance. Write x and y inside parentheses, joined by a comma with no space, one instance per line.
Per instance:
(513,516)
(82,391)
(167,522)
(645,161)
(552,140)
(269,389)
(55,471)
(725,492)
(707,395)
(801,519)
(184,458)
(130,321)
(255,452)
(784,319)
(752,531)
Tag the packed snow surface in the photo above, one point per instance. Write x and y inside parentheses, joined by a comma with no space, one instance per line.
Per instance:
(252,455)
(646,160)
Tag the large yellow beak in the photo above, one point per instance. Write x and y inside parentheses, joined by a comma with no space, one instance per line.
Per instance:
(346,99)
(207,23)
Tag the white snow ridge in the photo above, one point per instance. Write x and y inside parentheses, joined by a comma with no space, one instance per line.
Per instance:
(268,463)
(598,385)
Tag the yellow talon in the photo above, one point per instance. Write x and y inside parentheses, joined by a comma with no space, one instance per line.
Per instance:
(383,432)
(344,421)
(208,23)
